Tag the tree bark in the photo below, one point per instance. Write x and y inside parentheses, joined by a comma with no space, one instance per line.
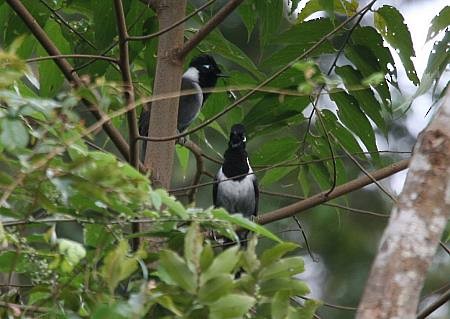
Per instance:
(414,229)
(164,113)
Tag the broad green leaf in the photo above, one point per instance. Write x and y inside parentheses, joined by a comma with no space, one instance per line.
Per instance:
(51,78)
(280,305)
(308,310)
(275,174)
(286,267)
(231,306)
(178,271)
(367,63)
(193,246)
(13,134)
(215,288)
(249,258)
(118,265)
(270,13)
(439,22)
(104,25)
(340,6)
(341,133)
(303,179)
(389,21)
(275,151)
(206,257)
(97,235)
(365,97)
(217,43)
(183,156)
(247,11)
(328,6)
(175,206)
(72,251)
(243,222)
(353,118)
(223,264)
(369,37)
(291,285)
(273,254)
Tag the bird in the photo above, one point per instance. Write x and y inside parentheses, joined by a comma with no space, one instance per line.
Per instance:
(202,73)
(235,186)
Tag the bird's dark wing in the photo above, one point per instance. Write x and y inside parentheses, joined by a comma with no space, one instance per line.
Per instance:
(256,189)
(215,187)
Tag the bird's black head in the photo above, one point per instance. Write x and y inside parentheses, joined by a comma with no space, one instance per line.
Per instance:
(237,136)
(208,70)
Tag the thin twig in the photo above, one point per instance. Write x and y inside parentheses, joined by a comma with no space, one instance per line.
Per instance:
(434,305)
(162,31)
(208,27)
(330,305)
(308,248)
(10,305)
(197,151)
(74,56)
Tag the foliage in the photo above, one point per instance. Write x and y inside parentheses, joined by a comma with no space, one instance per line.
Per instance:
(49,173)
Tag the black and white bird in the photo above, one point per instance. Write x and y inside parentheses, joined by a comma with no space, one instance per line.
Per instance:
(236,188)
(202,73)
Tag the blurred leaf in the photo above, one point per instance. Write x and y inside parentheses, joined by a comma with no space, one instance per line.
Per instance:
(183,156)
(104,25)
(72,251)
(14,134)
(215,288)
(178,271)
(275,174)
(193,247)
(280,305)
(270,13)
(231,306)
(223,264)
(206,257)
(303,179)
(439,23)
(239,220)
(291,285)
(389,21)
(308,309)
(174,205)
(275,253)
(286,267)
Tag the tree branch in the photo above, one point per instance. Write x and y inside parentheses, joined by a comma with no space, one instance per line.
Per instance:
(416,224)
(434,305)
(197,151)
(124,64)
(340,190)
(68,72)
(74,56)
(208,27)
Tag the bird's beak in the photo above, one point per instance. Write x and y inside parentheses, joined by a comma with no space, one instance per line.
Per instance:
(221,75)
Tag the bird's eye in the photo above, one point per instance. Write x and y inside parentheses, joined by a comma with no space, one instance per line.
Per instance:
(244,139)
(207,66)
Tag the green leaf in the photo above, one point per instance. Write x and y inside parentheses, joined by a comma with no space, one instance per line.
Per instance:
(275,253)
(215,288)
(275,174)
(303,179)
(72,251)
(223,264)
(276,151)
(117,266)
(286,267)
(366,99)
(50,77)
(193,247)
(390,23)
(104,24)
(308,309)
(369,37)
(231,306)
(340,6)
(270,13)
(239,220)
(328,6)
(247,11)
(177,270)
(183,156)
(352,117)
(280,305)
(439,23)
(206,257)
(174,205)
(291,285)
(14,134)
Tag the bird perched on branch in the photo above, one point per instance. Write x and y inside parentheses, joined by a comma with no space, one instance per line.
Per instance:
(202,73)
(236,187)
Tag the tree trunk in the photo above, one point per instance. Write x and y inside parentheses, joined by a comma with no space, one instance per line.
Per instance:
(414,229)
(164,113)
